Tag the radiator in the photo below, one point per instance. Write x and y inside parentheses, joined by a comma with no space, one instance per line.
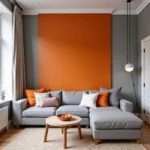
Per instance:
(3,117)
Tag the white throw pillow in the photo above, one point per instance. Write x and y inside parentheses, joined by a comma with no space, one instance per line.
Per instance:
(89,100)
(40,95)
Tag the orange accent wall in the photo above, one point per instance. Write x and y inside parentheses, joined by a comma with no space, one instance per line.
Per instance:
(74,51)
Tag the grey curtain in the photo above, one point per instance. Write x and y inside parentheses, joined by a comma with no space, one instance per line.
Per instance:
(19,82)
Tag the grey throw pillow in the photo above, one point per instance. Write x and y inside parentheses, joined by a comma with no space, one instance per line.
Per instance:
(57,94)
(114,95)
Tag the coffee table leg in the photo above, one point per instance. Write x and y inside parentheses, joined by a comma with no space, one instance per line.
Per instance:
(65,137)
(79,131)
(46,131)
(62,130)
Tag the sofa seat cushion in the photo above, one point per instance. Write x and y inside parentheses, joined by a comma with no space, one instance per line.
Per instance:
(36,112)
(76,110)
(112,118)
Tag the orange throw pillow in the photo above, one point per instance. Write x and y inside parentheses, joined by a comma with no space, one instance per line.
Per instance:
(31,97)
(102,100)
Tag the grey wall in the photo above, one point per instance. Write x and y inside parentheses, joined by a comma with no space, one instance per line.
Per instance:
(143,32)
(119,54)
(31,50)
(119,76)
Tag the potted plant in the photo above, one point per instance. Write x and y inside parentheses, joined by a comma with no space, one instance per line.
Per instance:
(2,95)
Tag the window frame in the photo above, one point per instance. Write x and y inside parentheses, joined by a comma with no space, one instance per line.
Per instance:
(0,46)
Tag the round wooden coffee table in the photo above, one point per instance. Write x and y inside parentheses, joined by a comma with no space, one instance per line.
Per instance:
(55,122)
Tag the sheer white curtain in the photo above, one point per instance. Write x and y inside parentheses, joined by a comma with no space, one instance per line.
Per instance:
(19,82)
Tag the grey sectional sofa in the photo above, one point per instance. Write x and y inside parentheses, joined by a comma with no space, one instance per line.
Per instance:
(105,122)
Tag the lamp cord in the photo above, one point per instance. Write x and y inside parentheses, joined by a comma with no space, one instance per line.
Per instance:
(133,81)
(128,32)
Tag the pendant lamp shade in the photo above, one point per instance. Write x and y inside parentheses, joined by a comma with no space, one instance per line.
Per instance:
(129,67)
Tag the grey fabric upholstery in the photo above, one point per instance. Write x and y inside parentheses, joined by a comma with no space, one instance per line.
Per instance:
(18,107)
(114,96)
(72,98)
(113,118)
(33,121)
(80,111)
(126,105)
(57,94)
(36,112)
(85,121)
(117,134)
(41,121)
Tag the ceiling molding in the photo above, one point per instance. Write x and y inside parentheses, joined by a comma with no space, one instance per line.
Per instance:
(89,10)
(66,11)
(123,12)
(142,6)
(77,11)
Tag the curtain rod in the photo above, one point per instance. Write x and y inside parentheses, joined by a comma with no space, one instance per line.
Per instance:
(15,3)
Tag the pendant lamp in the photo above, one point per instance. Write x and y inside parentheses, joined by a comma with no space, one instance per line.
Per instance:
(128,67)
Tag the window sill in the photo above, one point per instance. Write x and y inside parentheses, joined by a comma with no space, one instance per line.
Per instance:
(4,101)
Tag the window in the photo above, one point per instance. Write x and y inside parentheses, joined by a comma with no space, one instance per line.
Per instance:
(0,51)
(6,51)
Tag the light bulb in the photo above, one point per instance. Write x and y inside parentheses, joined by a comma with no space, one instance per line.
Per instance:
(129,67)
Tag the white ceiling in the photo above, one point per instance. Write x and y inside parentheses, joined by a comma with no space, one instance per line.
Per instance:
(65,4)
(31,5)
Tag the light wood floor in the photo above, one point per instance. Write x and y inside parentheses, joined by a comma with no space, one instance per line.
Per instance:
(7,137)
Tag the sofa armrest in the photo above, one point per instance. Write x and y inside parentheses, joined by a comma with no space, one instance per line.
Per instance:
(18,107)
(126,105)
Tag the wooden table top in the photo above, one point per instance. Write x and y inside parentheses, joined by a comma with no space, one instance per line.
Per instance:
(54,121)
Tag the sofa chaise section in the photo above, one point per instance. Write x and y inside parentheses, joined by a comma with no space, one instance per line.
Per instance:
(113,123)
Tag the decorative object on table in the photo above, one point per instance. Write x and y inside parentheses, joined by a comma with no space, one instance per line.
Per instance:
(130,67)
(2,95)
(64,117)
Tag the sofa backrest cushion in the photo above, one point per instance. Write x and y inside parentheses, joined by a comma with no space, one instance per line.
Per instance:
(58,95)
(114,97)
(72,97)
